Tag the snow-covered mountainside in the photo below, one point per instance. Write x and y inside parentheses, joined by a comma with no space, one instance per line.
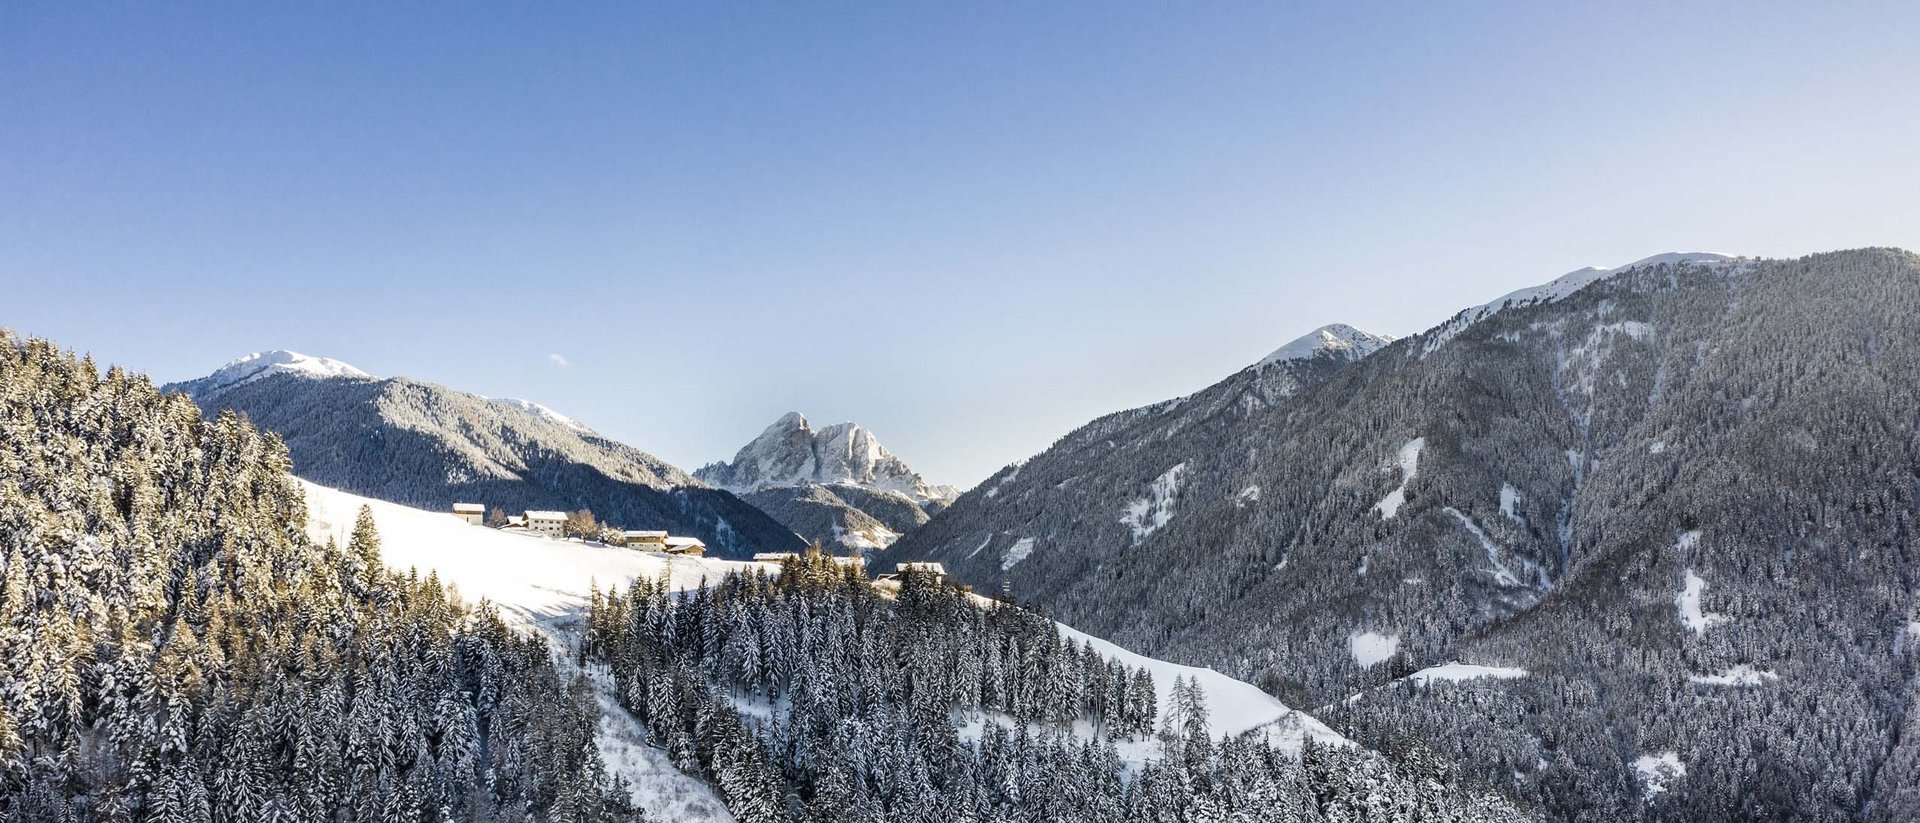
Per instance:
(1339,341)
(546,583)
(1670,493)
(835,484)
(265,364)
(423,444)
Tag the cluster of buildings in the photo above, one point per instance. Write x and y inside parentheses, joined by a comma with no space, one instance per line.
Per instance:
(554,524)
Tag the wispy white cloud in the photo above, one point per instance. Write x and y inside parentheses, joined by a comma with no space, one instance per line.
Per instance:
(558,360)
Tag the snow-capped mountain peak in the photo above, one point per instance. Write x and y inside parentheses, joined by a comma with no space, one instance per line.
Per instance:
(1578,279)
(266,363)
(1338,339)
(542,412)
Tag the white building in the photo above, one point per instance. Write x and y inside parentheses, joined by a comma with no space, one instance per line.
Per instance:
(474,513)
(551,524)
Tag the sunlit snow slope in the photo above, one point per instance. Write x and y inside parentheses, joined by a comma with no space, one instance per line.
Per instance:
(545,582)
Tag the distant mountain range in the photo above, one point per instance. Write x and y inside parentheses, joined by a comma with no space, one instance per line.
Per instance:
(1655,524)
(836,484)
(422,444)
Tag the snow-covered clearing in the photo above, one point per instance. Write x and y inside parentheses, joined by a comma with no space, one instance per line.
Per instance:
(1389,506)
(1510,503)
(1738,677)
(544,584)
(1250,494)
(1016,553)
(1148,514)
(1233,706)
(1696,619)
(1658,772)
(1370,648)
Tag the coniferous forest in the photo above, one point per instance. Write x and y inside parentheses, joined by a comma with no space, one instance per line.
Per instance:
(177,648)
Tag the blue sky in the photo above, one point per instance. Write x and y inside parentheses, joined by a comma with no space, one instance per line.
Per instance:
(970,227)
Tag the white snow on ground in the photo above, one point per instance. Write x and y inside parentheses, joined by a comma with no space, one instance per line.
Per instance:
(1510,502)
(1370,648)
(1250,494)
(1233,707)
(1739,676)
(983,545)
(1658,772)
(1409,465)
(1016,553)
(541,412)
(544,584)
(531,578)
(1501,574)
(1692,616)
(1148,514)
(1657,447)
(1456,672)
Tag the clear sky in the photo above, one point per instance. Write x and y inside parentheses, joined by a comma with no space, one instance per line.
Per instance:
(968,226)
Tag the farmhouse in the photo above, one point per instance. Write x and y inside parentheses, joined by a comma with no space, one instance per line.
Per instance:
(938,571)
(551,524)
(689,546)
(473,513)
(644,540)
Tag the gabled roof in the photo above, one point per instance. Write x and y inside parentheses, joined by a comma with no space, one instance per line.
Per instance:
(540,515)
(636,534)
(685,541)
(470,508)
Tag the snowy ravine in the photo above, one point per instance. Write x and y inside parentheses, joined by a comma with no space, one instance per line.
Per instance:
(544,584)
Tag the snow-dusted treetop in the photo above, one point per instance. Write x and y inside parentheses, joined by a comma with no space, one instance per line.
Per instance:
(279,361)
(791,453)
(1339,339)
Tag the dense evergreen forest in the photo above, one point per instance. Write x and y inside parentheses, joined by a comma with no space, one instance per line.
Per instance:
(815,696)
(173,648)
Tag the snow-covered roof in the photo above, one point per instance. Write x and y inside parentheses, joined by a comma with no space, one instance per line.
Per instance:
(540,515)
(922,566)
(774,557)
(684,541)
(642,534)
(470,508)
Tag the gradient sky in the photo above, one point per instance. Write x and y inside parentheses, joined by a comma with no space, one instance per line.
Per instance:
(970,227)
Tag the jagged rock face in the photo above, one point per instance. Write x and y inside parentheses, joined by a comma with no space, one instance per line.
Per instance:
(1674,494)
(836,484)
(792,453)
(426,445)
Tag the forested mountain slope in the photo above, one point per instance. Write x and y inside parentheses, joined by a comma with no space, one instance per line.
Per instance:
(414,442)
(1679,497)
(835,484)
(174,648)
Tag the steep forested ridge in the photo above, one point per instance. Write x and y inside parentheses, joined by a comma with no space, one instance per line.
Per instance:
(422,444)
(1682,498)
(174,648)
